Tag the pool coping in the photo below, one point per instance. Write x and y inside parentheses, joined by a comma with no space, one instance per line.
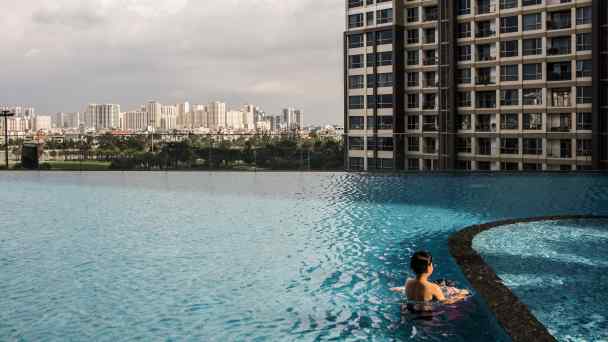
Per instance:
(513,315)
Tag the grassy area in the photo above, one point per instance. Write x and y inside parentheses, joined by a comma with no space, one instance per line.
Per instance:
(78,166)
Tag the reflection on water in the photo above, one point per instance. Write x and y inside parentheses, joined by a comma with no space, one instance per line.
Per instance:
(240,256)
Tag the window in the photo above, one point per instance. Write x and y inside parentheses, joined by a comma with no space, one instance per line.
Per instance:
(464,145)
(464,165)
(506,4)
(583,121)
(532,22)
(463,76)
(413,144)
(355,61)
(385,101)
(412,14)
(383,58)
(559,46)
(413,57)
(583,42)
(355,143)
(413,122)
(509,146)
(355,102)
(355,20)
(384,16)
(384,37)
(355,41)
(583,15)
(430,101)
(412,79)
(484,147)
(463,98)
(560,97)
(355,82)
(584,95)
(463,30)
(463,122)
(464,7)
(385,80)
(533,166)
(369,18)
(533,97)
(412,101)
(355,122)
(561,71)
(385,122)
(509,97)
(533,46)
(463,53)
(355,3)
(509,121)
(430,145)
(584,68)
(429,36)
(412,36)
(486,76)
(509,48)
(533,146)
(486,99)
(559,20)
(533,71)
(533,121)
(371,123)
(583,147)
(531,2)
(485,29)
(356,164)
(509,73)
(509,24)
(431,13)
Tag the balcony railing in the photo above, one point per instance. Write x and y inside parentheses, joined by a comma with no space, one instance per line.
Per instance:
(485,57)
(485,33)
(559,24)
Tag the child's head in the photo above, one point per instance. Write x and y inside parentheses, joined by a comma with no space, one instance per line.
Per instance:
(422,263)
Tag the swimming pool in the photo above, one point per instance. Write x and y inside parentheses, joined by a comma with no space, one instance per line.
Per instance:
(558,268)
(242,256)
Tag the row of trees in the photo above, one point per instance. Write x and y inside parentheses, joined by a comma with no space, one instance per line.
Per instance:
(204,152)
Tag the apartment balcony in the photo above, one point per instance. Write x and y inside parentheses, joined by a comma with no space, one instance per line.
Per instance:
(509,150)
(560,154)
(429,150)
(486,8)
(429,61)
(485,57)
(484,149)
(558,2)
(429,106)
(430,84)
(566,76)
(560,129)
(485,33)
(485,128)
(485,80)
(430,127)
(559,24)
(559,51)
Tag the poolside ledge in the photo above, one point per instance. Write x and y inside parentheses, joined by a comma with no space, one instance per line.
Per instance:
(511,313)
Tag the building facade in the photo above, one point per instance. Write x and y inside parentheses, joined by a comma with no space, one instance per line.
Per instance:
(102,116)
(476,84)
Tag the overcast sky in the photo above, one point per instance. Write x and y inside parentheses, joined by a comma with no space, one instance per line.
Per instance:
(59,55)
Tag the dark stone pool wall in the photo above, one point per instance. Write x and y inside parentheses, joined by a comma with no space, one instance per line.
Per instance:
(511,313)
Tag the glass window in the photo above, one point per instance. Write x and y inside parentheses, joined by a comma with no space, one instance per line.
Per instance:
(532,22)
(355,102)
(355,20)
(533,46)
(509,73)
(533,121)
(384,16)
(584,68)
(509,48)
(583,15)
(509,121)
(532,97)
(355,41)
(584,95)
(583,42)
(533,71)
(355,82)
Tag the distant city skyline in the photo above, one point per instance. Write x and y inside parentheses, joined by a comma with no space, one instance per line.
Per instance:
(65,54)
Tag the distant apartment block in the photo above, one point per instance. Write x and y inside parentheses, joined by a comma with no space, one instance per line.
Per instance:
(476,84)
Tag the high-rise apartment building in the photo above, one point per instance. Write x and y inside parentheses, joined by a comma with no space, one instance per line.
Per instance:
(216,115)
(293,118)
(136,120)
(155,111)
(102,116)
(476,84)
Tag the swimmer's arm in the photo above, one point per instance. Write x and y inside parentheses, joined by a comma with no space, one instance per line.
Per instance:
(400,290)
(437,293)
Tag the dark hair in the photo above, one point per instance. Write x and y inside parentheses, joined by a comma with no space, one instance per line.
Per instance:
(420,262)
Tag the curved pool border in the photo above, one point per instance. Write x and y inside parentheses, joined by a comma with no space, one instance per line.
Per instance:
(513,315)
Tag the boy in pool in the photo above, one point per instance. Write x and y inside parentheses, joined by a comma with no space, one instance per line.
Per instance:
(422,291)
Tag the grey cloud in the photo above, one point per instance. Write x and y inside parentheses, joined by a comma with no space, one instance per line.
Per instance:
(272,53)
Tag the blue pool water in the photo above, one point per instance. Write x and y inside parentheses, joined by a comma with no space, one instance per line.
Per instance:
(559,269)
(242,256)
